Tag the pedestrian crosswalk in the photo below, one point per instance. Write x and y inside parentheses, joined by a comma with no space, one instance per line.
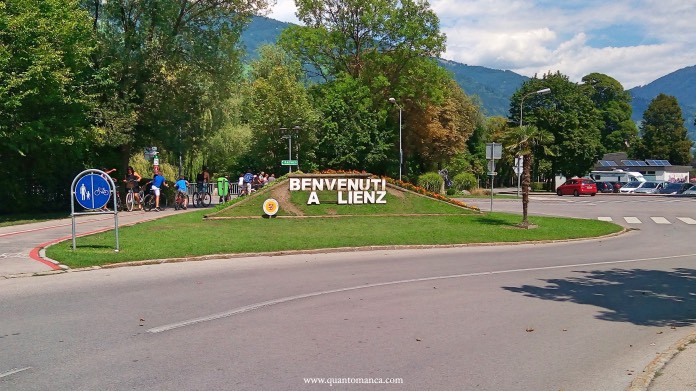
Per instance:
(655,219)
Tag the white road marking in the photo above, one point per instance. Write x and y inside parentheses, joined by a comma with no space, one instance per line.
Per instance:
(660,220)
(632,220)
(253,307)
(687,220)
(601,218)
(12,372)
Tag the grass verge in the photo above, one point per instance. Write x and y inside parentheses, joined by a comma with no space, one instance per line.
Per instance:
(188,234)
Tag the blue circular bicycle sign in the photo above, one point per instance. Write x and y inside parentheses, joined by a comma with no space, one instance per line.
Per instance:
(92,191)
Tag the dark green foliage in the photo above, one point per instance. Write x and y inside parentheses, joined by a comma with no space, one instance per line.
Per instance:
(664,133)
(44,103)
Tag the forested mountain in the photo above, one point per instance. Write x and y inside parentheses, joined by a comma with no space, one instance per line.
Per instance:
(681,84)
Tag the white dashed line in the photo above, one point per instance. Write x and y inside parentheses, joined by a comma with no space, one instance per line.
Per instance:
(660,220)
(601,218)
(687,220)
(12,372)
(632,220)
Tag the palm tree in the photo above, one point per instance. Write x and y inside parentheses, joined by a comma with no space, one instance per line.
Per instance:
(524,141)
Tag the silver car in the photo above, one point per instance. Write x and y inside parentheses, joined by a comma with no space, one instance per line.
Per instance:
(630,187)
(650,187)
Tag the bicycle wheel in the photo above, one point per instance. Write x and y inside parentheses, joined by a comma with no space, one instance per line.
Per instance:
(206,199)
(149,202)
(129,201)
(196,200)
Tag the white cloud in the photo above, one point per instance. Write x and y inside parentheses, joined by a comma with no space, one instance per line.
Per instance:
(641,40)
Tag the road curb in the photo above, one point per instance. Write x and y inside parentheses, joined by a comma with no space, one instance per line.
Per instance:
(642,382)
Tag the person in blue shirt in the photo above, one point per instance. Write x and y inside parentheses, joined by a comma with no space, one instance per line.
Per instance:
(182,189)
(157,182)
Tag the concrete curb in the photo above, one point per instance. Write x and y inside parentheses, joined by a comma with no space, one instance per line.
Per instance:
(642,381)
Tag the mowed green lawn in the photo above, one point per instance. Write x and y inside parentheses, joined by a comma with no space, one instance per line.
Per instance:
(189,234)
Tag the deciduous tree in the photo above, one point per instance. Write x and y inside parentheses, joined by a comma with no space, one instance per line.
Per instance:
(664,133)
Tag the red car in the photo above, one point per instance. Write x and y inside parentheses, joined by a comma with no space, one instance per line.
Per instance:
(577,186)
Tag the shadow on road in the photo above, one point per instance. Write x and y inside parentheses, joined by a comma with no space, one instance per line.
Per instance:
(642,297)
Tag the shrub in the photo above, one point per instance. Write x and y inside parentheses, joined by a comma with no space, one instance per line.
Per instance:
(464,181)
(431,181)
(452,192)
(538,186)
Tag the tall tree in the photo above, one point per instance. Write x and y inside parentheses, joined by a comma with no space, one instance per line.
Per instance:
(163,65)
(618,131)
(664,133)
(278,105)
(44,102)
(569,115)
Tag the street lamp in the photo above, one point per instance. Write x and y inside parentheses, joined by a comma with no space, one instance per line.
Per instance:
(401,151)
(289,136)
(540,92)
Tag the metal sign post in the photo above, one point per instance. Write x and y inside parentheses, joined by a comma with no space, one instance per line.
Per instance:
(92,189)
(494,151)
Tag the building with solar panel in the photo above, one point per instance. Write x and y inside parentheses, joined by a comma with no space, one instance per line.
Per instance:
(650,169)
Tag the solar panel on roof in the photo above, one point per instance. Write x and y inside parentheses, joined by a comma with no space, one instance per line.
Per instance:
(640,163)
(652,162)
(627,162)
(607,163)
(666,163)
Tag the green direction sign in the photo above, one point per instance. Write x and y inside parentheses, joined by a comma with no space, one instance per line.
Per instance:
(288,162)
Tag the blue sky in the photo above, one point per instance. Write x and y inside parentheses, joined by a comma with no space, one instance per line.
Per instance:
(634,41)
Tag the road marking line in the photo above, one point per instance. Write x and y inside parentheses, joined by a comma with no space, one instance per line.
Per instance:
(632,220)
(660,220)
(687,220)
(601,218)
(253,307)
(12,372)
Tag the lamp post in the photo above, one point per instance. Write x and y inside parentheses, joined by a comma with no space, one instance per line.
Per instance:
(401,151)
(289,136)
(540,92)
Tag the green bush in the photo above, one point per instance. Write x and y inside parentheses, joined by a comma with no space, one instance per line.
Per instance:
(452,191)
(464,181)
(538,186)
(431,181)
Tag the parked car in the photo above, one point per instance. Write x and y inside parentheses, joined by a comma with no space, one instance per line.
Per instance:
(690,191)
(630,187)
(605,187)
(649,187)
(577,186)
(675,188)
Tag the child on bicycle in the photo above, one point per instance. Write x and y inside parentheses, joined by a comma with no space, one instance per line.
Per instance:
(182,189)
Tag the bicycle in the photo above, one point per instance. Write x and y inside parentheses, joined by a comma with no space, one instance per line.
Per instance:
(181,201)
(149,201)
(202,198)
(130,196)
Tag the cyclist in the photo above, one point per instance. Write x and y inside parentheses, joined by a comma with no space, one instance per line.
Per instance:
(182,189)
(133,182)
(202,180)
(157,182)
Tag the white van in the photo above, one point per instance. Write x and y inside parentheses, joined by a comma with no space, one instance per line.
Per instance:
(620,176)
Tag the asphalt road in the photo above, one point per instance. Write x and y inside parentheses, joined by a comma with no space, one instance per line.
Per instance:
(585,315)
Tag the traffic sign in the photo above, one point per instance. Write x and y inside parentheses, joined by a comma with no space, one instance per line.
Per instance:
(288,162)
(492,173)
(92,191)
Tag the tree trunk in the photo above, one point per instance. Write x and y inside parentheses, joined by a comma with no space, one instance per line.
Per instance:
(526,175)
